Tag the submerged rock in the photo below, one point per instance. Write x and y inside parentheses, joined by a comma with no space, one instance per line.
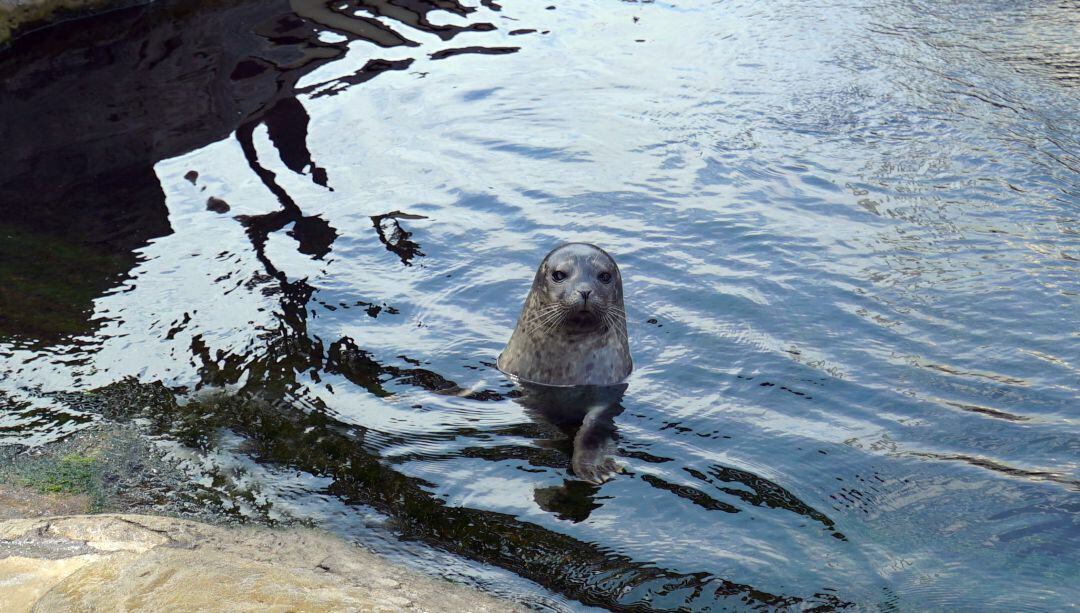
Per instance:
(16,15)
(142,562)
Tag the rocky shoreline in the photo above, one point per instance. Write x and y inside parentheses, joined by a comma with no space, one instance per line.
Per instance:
(104,520)
(146,563)
(108,467)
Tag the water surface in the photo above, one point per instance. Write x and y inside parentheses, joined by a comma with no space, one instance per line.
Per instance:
(290,240)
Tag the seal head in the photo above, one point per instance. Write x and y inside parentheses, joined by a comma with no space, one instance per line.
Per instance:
(572,329)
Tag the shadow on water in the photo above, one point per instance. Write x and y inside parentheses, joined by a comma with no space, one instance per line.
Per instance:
(101,100)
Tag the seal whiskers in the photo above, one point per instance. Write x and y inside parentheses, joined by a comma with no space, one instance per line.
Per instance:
(547,318)
(572,328)
(616,320)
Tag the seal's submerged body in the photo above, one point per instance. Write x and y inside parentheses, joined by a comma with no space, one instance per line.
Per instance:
(572,329)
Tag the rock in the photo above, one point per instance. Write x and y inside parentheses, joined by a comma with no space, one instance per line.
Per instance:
(24,581)
(15,14)
(147,563)
(395,602)
(177,579)
(26,502)
(107,533)
(217,205)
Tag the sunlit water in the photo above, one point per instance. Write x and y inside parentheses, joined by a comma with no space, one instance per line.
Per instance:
(849,234)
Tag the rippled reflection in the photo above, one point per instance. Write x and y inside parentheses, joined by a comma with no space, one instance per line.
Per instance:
(290,239)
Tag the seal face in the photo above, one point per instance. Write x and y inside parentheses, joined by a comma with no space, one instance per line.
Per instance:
(572,329)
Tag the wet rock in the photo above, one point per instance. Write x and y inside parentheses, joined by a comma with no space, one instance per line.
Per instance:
(217,205)
(16,501)
(105,467)
(16,15)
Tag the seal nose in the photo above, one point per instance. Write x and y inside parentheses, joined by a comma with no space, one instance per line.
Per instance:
(585,294)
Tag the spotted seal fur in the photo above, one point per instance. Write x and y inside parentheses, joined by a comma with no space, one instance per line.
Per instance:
(572,329)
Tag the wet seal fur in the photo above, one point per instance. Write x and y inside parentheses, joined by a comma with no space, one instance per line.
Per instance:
(572,329)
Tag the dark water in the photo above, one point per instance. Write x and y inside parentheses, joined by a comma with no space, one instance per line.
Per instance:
(289,239)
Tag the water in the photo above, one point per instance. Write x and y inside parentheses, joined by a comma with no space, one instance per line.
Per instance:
(848,232)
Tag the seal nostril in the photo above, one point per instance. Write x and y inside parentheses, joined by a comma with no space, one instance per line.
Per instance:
(584,294)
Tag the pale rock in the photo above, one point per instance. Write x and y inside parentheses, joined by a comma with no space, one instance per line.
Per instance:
(145,563)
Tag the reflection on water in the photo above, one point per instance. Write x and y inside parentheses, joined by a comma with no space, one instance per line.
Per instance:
(586,415)
(290,239)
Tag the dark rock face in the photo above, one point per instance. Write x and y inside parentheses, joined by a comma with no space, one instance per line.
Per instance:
(98,102)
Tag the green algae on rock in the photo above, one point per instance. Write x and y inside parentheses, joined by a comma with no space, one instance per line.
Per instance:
(48,283)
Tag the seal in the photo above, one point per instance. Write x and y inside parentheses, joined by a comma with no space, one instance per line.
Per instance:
(586,415)
(572,329)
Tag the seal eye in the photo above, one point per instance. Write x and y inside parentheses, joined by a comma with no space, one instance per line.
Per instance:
(605,277)
(558,276)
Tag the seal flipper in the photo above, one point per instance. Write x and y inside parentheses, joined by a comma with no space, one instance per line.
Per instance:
(595,446)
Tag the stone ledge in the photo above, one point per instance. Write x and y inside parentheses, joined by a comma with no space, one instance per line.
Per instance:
(148,563)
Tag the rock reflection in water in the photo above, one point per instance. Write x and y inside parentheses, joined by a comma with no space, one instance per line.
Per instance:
(101,101)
